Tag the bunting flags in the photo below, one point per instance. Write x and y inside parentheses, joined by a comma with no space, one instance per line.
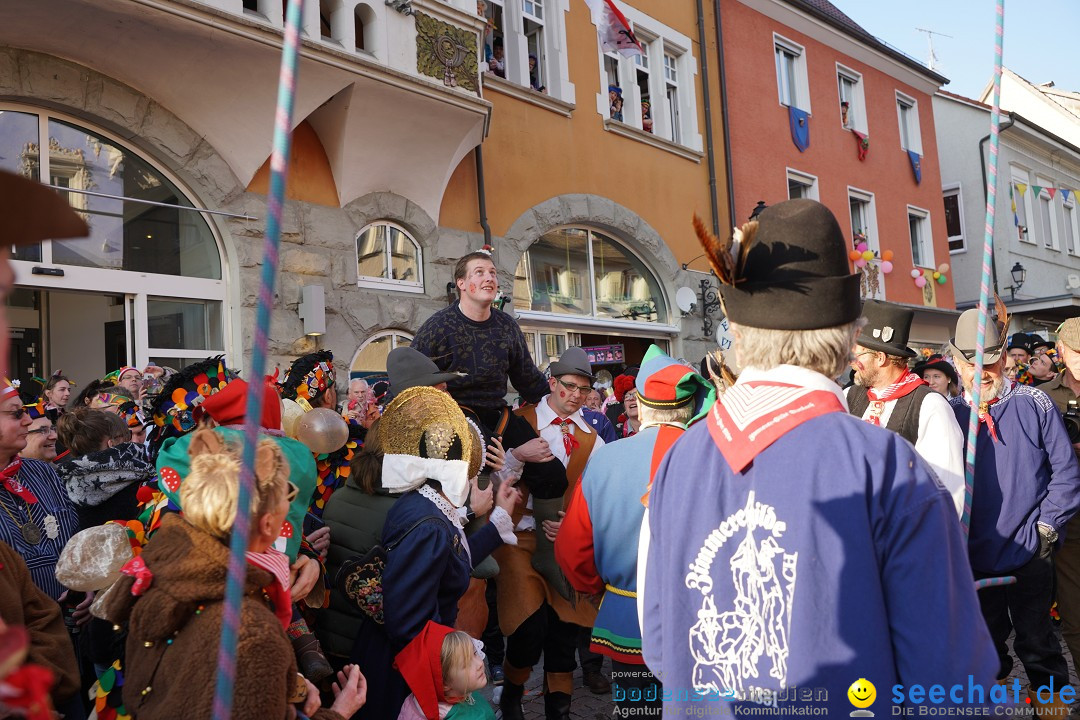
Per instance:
(614,29)
(1065,192)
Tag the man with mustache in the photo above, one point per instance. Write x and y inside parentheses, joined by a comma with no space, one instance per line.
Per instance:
(1026,488)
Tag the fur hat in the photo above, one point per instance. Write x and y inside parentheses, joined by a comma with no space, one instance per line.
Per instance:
(308,376)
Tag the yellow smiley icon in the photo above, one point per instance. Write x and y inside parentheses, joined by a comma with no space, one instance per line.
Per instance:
(862,693)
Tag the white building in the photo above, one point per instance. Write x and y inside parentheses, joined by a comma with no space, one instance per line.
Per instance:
(1037,223)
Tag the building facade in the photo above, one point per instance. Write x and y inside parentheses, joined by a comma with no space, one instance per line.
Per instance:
(820,108)
(1036,253)
(158,119)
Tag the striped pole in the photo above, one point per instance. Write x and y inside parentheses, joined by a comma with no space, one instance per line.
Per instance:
(279,165)
(984,289)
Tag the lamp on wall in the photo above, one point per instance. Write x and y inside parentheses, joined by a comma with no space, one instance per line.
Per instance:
(1019,274)
(313,309)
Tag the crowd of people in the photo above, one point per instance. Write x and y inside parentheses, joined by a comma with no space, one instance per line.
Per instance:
(716,535)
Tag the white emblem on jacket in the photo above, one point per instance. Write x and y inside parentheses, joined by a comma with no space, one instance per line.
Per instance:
(728,645)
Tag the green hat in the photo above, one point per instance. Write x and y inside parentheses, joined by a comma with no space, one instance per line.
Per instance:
(664,383)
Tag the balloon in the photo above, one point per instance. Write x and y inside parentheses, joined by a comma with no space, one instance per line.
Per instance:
(936,274)
(886,267)
(941,279)
(861,247)
(887,255)
(916,273)
(920,282)
(868,255)
(322,430)
(943,268)
(854,255)
(860,263)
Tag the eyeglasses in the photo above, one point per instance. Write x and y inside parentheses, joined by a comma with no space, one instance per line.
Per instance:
(572,388)
(41,430)
(16,414)
(866,352)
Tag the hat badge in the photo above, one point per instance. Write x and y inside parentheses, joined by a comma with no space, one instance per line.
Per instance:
(886,333)
(877,333)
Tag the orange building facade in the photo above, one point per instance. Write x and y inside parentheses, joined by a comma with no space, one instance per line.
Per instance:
(807,55)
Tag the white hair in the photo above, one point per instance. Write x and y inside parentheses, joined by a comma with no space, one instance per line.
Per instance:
(826,350)
(358,380)
(680,415)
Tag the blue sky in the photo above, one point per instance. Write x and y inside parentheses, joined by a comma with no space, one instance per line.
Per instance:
(1040,37)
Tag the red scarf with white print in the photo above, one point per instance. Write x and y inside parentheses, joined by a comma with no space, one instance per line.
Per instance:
(752,415)
(277,564)
(905,385)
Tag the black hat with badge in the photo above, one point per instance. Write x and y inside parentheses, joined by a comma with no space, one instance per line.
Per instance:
(787,270)
(887,328)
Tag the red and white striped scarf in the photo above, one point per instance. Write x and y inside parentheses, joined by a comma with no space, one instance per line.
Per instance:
(277,564)
(906,384)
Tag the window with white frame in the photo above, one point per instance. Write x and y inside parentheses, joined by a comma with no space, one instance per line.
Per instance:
(370,357)
(954,219)
(671,94)
(922,246)
(801,185)
(791,79)
(1022,204)
(1048,229)
(533,20)
(1072,225)
(654,89)
(864,230)
(642,77)
(907,115)
(524,43)
(387,257)
(852,101)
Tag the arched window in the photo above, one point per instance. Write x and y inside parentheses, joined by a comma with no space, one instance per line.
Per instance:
(388,257)
(578,271)
(364,24)
(370,358)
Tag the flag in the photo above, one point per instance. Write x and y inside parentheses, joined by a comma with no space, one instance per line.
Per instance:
(613,28)
(1065,194)
(799,121)
(916,165)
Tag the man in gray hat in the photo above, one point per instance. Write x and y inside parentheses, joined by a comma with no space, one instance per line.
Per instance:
(889,395)
(534,610)
(1026,488)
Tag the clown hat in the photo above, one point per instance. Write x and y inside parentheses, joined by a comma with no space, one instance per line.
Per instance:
(665,384)
(308,376)
(8,389)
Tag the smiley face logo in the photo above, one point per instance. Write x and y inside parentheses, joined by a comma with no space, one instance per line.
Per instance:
(862,694)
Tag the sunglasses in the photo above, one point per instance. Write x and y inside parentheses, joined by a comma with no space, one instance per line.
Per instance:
(16,414)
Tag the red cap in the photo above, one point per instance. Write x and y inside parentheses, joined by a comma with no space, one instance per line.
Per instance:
(228,406)
(420,663)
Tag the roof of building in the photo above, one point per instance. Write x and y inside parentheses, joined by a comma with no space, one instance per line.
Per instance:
(832,15)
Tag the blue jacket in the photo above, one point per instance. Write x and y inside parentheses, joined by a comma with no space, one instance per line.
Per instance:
(835,555)
(1027,476)
(599,422)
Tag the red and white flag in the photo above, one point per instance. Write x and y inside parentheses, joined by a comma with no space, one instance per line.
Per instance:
(613,28)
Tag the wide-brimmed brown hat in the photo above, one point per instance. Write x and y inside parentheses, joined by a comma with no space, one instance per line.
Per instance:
(31,212)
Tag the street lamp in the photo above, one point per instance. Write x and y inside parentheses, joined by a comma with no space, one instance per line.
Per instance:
(1019,274)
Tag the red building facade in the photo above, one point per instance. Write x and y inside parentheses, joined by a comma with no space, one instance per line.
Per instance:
(800,72)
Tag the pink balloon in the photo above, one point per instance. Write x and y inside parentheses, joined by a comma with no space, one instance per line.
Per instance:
(886,267)
(920,282)
(860,263)
(916,273)
(861,247)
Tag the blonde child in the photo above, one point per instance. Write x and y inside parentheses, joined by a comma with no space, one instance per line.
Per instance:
(445,671)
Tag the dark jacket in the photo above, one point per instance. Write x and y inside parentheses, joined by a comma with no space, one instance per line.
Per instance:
(171,662)
(355,519)
(103,485)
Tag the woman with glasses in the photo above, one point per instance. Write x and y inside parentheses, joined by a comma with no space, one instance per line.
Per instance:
(36,516)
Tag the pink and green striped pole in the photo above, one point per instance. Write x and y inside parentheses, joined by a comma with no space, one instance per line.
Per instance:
(984,288)
(279,166)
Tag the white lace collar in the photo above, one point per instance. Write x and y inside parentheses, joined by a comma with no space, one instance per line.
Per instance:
(450,512)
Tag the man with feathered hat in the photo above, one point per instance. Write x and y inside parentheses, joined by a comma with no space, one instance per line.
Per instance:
(786,542)
(1026,487)
(597,541)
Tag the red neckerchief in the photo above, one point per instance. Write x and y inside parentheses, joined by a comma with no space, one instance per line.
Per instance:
(752,415)
(277,564)
(570,443)
(10,478)
(664,440)
(984,409)
(905,385)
